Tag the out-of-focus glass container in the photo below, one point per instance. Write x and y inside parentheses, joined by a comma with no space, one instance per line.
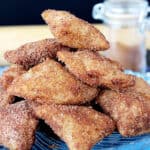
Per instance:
(126,22)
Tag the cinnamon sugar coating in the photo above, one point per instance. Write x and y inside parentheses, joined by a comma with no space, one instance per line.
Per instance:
(80,127)
(32,53)
(74,32)
(49,82)
(17,126)
(130,110)
(10,74)
(95,69)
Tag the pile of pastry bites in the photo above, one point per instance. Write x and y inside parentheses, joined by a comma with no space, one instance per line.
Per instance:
(61,80)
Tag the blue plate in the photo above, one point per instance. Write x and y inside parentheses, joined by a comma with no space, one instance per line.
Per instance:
(113,142)
(47,140)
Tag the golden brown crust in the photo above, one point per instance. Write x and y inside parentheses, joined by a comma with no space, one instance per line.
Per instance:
(10,74)
(17,126)
(5,81)
(95,70)
(141,86)
(49,82)
(130,110)
(74,32)
(33,53)
(5,98)
(80,127)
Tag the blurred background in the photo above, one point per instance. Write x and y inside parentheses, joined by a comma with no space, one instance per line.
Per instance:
(23,12)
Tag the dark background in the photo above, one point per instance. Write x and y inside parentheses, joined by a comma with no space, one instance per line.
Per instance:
(26,12)
(21,12)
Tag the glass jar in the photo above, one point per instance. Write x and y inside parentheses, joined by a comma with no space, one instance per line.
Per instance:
(126,24)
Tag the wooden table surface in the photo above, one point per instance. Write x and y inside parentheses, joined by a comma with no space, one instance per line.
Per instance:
(14,36)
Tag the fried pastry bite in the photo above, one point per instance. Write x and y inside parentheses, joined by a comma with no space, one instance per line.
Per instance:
(32,53)
(49,82)
(5,81)
(80,127)
(141,86)
(74,32)
(130,110)
(95,70)
(10,74)
(17,126)
(5,98)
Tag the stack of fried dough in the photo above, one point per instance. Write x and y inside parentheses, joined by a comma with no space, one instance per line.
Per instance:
(58,80)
